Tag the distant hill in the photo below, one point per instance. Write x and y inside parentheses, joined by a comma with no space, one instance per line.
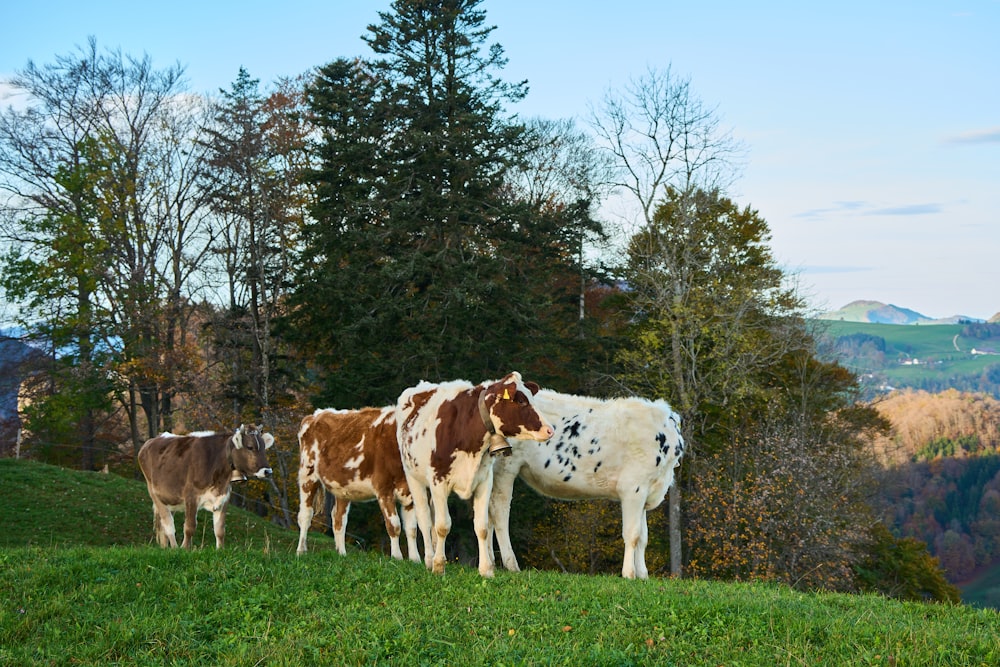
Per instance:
(877,312)
(932,358)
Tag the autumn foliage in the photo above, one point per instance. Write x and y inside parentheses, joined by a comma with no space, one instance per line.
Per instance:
(941,480)
(778,507)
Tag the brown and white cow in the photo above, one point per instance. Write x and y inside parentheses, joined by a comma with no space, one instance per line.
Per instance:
(444,433)
(354,455)
(624,449)
(196,471)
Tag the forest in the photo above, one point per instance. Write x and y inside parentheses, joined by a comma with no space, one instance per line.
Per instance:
(182,263)
(941,481)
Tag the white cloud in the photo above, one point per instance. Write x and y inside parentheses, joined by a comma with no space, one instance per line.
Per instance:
(907,209)
(987,136)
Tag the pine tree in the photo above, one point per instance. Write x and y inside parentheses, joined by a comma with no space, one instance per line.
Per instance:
(419,264)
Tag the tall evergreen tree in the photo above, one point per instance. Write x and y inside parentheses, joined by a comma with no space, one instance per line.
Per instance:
(414,267)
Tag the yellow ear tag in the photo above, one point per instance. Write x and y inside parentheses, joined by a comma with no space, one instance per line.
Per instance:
(506,396)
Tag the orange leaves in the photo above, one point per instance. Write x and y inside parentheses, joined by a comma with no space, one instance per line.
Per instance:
(775,508)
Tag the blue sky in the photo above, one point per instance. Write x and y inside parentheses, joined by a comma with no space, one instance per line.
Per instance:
(872,128)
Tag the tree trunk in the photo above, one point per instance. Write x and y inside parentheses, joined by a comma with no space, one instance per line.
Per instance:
(674,512)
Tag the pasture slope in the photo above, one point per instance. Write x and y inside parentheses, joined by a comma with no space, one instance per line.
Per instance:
(932,357)
(90,590)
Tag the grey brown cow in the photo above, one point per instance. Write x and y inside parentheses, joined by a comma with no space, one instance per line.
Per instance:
(196,471)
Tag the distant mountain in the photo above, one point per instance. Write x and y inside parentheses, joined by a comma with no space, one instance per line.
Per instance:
(881,313)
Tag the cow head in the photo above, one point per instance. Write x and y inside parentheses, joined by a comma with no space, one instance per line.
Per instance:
(249,452)
(509,406)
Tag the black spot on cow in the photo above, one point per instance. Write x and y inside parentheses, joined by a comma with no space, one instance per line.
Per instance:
(547,462)
(573,429)
(657,461)
(567,478)
(662,439)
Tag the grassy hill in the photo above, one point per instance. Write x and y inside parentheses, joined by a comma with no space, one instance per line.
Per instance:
(932,357)
(49,506)
(90,590)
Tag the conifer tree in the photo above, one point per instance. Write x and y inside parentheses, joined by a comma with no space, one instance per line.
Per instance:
(419,264)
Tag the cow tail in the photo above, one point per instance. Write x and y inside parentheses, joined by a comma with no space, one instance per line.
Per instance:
(319,499)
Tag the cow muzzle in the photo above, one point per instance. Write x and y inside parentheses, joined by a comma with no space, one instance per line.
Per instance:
(263,473)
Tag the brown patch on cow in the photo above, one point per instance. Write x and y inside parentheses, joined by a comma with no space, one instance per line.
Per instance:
(461,429)
(417,402)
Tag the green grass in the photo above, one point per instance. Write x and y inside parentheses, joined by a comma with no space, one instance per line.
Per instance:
(145,605)
(76,600)
(49,506)
(918,340)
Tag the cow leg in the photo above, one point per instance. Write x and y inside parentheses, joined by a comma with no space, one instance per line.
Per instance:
(387,503)
(338,519)
(410,527)
(163,524)
(481,521)
(423,511)
(307,496)
(442,526)
(219,524)
(500,499)
(190,521)
(640,550)
(632,512)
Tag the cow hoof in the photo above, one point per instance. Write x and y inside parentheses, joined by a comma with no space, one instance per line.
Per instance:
(438,567)
(487,573)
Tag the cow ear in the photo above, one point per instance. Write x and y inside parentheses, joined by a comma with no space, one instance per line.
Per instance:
(268,440)
(532,387)
(238,438)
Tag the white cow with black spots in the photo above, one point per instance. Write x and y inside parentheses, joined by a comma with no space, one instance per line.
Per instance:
(624,449)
